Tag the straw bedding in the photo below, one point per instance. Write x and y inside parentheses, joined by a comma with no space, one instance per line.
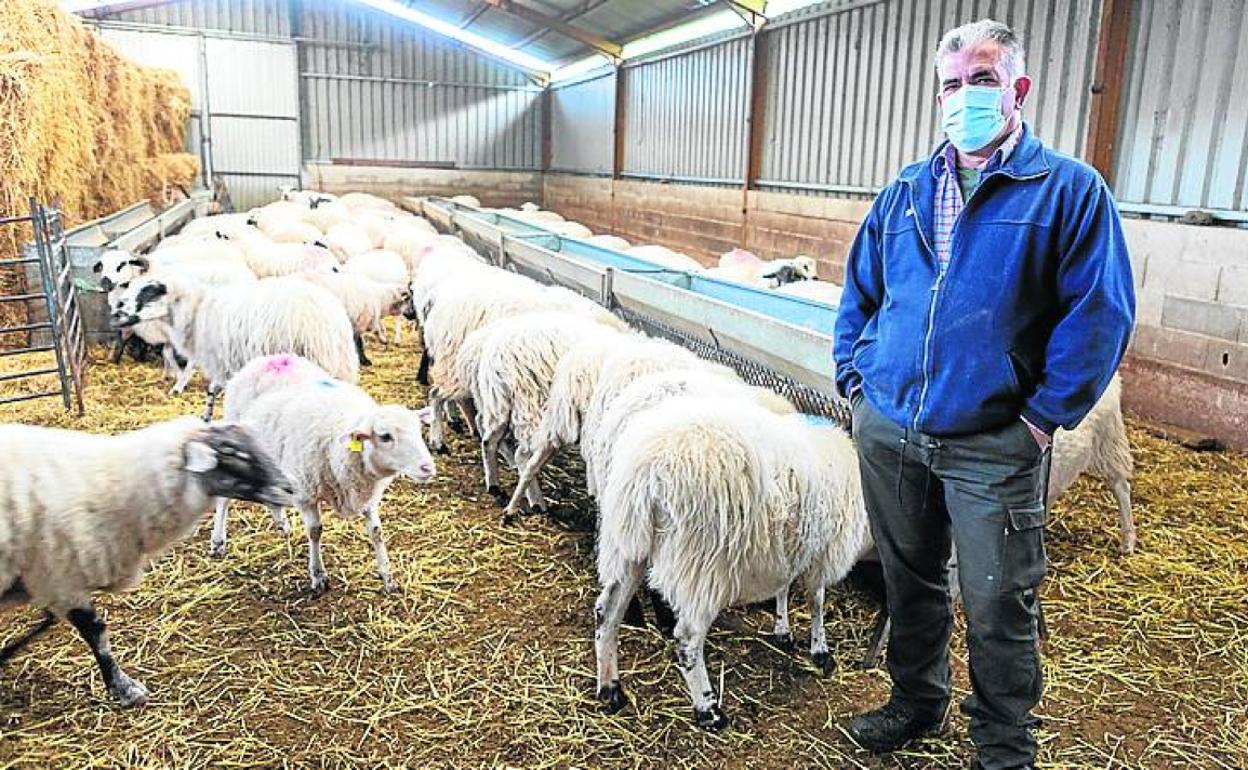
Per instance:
(80,123)
(486,659)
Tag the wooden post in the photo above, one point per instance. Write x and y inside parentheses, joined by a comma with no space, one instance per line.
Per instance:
(618,138)
(546,102)
(754,125)
(1107,81)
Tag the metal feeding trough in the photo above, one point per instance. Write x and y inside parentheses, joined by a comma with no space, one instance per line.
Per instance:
(771,339)
(135,228)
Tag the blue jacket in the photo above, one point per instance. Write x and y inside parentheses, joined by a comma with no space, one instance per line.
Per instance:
(1032,315)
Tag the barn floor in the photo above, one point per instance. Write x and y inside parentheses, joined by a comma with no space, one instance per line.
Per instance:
(486,658)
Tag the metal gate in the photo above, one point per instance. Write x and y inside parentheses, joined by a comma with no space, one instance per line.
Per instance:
(53,323)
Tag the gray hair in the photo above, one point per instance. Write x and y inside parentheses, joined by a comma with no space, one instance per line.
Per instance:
(977,32)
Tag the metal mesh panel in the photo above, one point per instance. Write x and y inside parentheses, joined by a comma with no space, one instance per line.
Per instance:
(805,398)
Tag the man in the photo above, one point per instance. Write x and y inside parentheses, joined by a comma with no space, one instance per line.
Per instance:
(988,300)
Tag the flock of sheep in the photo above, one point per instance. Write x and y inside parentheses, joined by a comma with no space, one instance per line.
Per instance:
(710,491)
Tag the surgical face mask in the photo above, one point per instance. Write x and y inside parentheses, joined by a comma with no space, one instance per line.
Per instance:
(971,116)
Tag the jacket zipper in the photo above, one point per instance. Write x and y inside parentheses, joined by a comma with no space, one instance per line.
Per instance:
(931,313)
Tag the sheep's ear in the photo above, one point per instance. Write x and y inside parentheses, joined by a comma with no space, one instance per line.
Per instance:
(141,263)
(200,458)
(98,267)
(426,415)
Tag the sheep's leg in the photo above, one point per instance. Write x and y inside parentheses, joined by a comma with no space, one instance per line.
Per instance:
(527,475)
(316,567)
(467,419)
(690,659)
(489,458)
(532,492)
(617,590)
(815,593)
(127,691)
(170,358)
(119,348)
(279,520)
(398,330)
(213,390)
(379,326)
(15,646)
(216,548)
(184,379)
(359,350)
(422,371)
(437,428)
(664,615)
(1126,522)
(782,637)
(372,523)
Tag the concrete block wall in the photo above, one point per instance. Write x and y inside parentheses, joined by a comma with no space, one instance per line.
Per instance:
(1188,360)
(704,222)
(492,188)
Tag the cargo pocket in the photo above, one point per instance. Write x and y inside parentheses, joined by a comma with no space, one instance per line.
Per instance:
(1023,560)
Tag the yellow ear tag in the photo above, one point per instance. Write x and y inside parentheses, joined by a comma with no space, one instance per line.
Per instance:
(356,445)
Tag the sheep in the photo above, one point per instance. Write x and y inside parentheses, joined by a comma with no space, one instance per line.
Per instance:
(294,231)
(366,301)
(222,328)
(361,200)
(338,446)
(118,268)
(273,215)
(377,225)
(70,528)
(614,242)
(530,206)
(324,216)
(569,229)
(466,200)
(663,257)
(211,225)
(380,265)
(509,379)
(652,389)
(826,292)
(409,242)
(271,260)
(571,389)
(309,198)
(537,216)
(741,266)
(780,272)
(727,503)
(347,240)
(1099,445)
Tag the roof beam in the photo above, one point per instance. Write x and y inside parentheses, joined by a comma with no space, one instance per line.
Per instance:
(474,15)
(572,16)
(596,42)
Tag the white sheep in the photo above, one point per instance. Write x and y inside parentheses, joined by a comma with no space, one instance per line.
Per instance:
(309,198)
(223,328)
(1098,445)
(294,231)
(467,200)
(508,366)
(87,513)
(338,446)
(569,229)
(726,503)
(362,200)
(347,240)
(380,265)
(663,257)
(409,242)
(268,259)
(324,216)
(274,215)
(211,225)
(826,292)
(366,301)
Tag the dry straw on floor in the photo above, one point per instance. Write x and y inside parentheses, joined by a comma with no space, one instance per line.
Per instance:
(80,123)
(486,658)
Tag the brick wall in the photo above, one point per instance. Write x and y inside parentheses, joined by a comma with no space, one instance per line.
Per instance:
(1188,360)
(492,188)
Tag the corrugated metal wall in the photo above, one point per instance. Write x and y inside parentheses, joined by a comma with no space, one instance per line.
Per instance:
(851,93)
(385,90)
(685,115)
(1184,131)
(253,17)
(582,126)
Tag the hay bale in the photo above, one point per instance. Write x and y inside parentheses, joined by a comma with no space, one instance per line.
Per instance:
(80,123)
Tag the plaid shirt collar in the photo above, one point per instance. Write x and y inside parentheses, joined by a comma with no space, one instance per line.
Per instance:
(947,156)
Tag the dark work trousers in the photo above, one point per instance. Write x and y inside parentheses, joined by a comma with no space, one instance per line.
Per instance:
(986,493)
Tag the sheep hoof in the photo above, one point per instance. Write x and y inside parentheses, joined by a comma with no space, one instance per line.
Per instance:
(823,661)
(458,426)
(390,585)
(712,719)
(216,549)
(613,698)
(783,641)
(320,585)
(508,519)
(497,492)
(1127,546)
(128,692)
(441,449)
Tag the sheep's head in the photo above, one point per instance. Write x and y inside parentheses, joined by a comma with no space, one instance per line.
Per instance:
(229,462)
(117,268)
(805,268)
(145,299)
(389,441)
